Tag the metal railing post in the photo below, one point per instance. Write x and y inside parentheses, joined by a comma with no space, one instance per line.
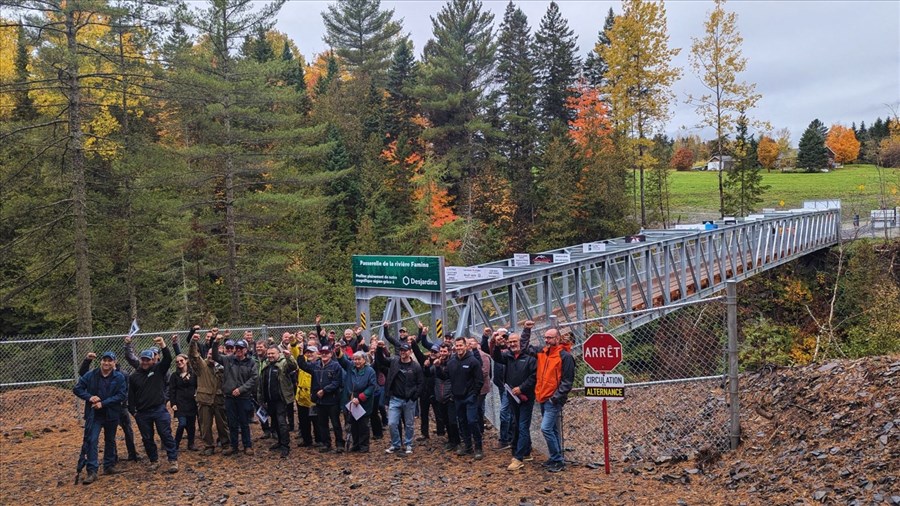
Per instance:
(733,398)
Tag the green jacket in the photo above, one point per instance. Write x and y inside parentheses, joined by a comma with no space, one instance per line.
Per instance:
(287,369)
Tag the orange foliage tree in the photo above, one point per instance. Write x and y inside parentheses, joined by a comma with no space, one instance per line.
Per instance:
(767,152)
(683,159)
(843,142)
(590,129)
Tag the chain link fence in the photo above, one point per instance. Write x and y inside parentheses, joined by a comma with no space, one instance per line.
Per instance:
(37,373)
(676,396)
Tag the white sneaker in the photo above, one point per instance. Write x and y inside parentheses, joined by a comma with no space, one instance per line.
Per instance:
(391,449)
(408,449)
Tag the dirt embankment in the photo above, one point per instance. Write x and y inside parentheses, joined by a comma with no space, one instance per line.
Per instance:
(828,433)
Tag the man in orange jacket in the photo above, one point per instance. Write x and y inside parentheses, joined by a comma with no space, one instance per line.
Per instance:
(555,375)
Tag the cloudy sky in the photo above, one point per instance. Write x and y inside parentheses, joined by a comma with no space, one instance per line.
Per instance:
(838,61)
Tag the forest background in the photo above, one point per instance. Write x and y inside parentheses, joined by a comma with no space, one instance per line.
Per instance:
(185,162)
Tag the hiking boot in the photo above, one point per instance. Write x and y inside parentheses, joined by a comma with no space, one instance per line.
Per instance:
(90,478)
(422,438)
(450,447)
(478,454)
(135,458)
(515,465)
(111,470)
(229,451)
(153,467)
(556,467)
(173,467)
(463,451)
(546,463)
(391,449)
(408,450)
(528,458)
(285,452)
(249,452)
(503,445)
(207,452)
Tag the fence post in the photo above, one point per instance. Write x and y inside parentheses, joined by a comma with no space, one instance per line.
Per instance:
(264,336)
(75,362)
(733,398)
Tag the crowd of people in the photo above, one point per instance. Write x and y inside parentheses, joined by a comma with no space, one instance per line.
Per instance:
(307,382)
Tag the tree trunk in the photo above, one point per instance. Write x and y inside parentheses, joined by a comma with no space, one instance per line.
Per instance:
(230,237)
(76,161)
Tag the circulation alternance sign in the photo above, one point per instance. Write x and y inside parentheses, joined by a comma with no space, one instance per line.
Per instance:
(397,272)
(610,387)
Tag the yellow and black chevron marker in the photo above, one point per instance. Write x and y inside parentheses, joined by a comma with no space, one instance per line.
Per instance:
(439,329)
(362,320)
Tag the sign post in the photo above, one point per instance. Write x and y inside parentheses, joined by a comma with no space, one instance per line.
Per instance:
(603,352)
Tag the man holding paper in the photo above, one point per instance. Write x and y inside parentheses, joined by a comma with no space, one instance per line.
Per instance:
(519,379)
(276,393)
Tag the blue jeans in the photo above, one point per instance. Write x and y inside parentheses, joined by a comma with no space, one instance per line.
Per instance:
(469,423)
(550,429)
(407,409)
(185,423)
(159,418)
(109,444)
(521,417)
(506,428)
(238,411)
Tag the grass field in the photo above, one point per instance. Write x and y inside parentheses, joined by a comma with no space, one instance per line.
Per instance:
(860,188)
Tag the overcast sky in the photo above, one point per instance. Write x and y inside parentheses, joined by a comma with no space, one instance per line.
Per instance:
(832,60)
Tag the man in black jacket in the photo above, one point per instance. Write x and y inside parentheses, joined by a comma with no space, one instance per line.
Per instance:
(238,387)
(519,378)
(147,399)
(466,380)
(403,385)
(327,385)
(124,416)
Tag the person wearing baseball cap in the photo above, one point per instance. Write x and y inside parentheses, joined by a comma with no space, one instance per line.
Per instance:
(238,385)
(327,385)
(402,386)
(302,393)
(104,392)
(147,399)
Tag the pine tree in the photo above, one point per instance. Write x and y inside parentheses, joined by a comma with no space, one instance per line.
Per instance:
(743,181)
(257,47)
(595,66)
(658,184)
(363,35)
(331,75)
(515,77)
(558,65)
(558,173)
(812,154)
(402,108)
(23,109)
(178,41)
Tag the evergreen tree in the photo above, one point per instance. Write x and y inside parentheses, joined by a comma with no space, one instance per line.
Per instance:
(658,187)
(812,154)
(257,47)
(178,41)
(558,66)
(515,77)
(331,75)
(295,77)
(595,66)
(555,221)
(401,105)
(363,35)
(457,68)
(24,109)
(743,181)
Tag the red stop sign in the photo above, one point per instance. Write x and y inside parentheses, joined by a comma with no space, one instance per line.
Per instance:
(602,351)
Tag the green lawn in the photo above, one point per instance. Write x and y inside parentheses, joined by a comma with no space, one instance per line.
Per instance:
(858,186)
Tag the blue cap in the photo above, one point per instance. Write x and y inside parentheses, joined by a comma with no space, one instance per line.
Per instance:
(148,354)
(404,347)
(241,344)
(154,349)
(435,347)
(108,354)
(229,343)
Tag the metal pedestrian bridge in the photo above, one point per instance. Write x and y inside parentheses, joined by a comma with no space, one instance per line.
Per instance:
(621,276)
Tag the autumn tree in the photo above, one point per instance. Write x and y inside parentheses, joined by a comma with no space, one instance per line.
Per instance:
(639,82)
(683,159)
(843,142)
(363,35)
(717,60)
(812,154)
(767,152)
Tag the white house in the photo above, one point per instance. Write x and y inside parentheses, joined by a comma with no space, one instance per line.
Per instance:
(713,163)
